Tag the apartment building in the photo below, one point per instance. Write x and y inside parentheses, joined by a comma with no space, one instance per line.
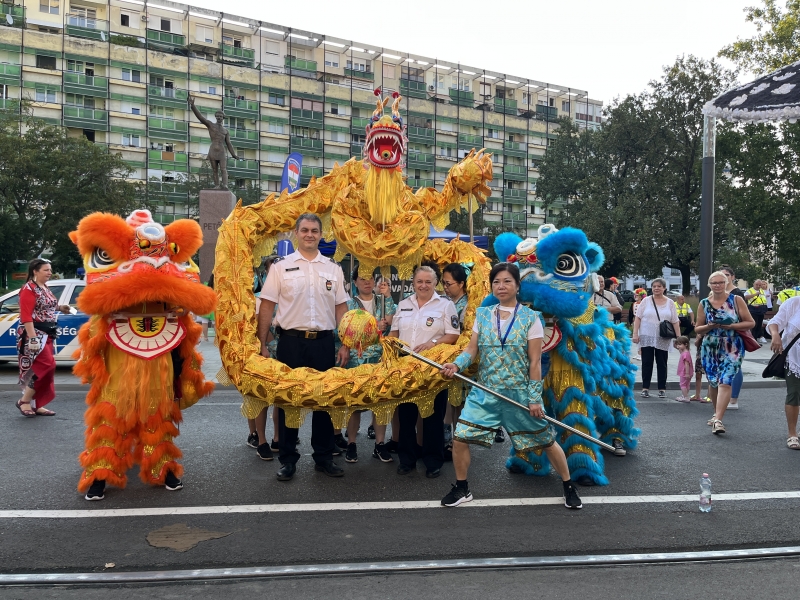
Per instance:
(119,73)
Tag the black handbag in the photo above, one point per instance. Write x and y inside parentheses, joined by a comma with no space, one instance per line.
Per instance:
(776,367)
(665,328)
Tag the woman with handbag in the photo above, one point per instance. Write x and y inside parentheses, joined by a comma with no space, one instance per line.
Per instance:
(721,317)
(655,326)
(788,321)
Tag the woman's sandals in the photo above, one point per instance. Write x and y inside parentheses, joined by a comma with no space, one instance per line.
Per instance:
(26,412)
(793,443)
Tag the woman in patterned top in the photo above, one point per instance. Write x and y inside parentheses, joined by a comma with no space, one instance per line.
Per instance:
(37,330)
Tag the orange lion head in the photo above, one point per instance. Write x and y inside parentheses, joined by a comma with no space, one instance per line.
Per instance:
(136,260)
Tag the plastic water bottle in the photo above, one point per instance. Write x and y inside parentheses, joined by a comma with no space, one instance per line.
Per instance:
(705,493)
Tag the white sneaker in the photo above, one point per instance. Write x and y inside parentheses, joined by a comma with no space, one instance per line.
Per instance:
(761,340)
(733,406)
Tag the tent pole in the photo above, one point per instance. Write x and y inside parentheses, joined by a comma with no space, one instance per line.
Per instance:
(707,204)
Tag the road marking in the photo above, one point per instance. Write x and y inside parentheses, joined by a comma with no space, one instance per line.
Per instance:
(348,506)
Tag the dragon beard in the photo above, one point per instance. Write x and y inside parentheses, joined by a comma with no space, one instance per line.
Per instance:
(383,191)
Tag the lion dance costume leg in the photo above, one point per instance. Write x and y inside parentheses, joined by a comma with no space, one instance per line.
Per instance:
(138,349)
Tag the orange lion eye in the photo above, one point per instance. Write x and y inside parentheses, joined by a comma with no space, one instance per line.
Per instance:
(174,248)
(144,244)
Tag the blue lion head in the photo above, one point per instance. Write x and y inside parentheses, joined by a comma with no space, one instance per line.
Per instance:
(557,270)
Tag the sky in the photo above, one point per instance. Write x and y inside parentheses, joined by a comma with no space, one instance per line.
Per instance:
(609,48)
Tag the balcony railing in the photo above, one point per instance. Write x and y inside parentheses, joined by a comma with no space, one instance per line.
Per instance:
(356,149)
(548,113)
(307,118)
(300,64)
(419,183)
(418,160)
(515,219)
(424,135)
(167,129)
(168,161)
(506,106)
(166,96)
(157,37)
(468,142)
(172,191)
(88,85)
(519,195)
(358,74)
(413,89)
(9,104)
(240,104)
(87,118)
(515,149)
(306,145)
(359,125)
(86,27)
(235,54)
(246,169)
(12,16)
(10,74)
(461,97)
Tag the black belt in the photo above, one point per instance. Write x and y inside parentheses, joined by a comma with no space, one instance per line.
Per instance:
(309,335)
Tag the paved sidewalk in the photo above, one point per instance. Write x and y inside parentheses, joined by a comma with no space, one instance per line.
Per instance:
(752,367)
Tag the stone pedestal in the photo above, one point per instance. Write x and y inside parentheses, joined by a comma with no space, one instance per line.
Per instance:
(215,206)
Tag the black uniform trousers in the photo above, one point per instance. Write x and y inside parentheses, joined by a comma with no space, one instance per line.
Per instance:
(758,313)
(432,434)
(319,354)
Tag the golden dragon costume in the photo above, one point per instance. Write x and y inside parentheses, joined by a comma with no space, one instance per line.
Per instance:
(138,349)
(371,212)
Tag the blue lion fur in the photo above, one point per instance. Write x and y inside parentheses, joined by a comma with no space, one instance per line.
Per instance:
(506,244)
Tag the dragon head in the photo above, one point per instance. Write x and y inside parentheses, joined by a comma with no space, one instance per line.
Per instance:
(386,136)
(558,270)
(136,260)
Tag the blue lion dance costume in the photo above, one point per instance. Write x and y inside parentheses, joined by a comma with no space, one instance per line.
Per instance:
(589,381)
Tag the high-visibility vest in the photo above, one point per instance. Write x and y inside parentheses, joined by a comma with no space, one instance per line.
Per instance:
(683,311)
(788,293)
(758,298)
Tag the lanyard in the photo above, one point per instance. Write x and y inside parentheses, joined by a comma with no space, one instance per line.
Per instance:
(502,337)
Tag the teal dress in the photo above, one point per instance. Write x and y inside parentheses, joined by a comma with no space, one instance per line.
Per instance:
(504,368)
(371,354)
(461,309)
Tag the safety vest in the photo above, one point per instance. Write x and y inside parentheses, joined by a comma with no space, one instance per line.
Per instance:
(758,298)
(788,293)
(683,311)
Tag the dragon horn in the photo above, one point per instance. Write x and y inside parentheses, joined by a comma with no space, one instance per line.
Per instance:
(396,105)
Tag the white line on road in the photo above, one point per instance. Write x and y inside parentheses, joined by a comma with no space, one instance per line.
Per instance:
(345,506)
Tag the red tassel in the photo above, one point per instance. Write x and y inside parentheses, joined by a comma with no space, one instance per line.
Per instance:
(395,94)
(377,91)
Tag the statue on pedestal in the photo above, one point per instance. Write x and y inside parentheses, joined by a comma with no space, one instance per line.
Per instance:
(220,138)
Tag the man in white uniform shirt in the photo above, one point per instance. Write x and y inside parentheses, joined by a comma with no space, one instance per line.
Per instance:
(606,299)
(308,289)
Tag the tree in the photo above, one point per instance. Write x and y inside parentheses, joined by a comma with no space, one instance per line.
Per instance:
(459,222)
(48,182)
(634,185)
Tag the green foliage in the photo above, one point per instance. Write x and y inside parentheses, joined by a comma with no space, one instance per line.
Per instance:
(48,182)
(127,40)
(459,222)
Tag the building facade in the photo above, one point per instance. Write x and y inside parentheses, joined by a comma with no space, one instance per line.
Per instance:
(119,72)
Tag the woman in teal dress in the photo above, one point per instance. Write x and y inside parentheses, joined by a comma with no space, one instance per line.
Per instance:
(508,337)
(382,307)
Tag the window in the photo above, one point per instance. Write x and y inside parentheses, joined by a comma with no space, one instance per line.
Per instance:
(131,75)
(129,139)
(440,81)
(45,62)
(75,66)
(307,104)
(271,48)
(388,71)
(359,64)
(162,111)
(565,106)
(357,138)
(552,101)
(331,59)
(204,34)
(413,74)
(78,100)
(275,127)
(493,133)
(4,92)
(334,109)
(124,20)
(89,134)
(235,123)
(336,136)
(83,17)
(49,6)
(212,89)
(278,99)
(135,110)
(46,94)
(166,25)
(231,40)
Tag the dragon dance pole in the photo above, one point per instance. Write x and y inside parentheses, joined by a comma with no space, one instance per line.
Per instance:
(550,420)
(471,232)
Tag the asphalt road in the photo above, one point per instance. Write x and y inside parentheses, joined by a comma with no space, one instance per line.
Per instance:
(39,469)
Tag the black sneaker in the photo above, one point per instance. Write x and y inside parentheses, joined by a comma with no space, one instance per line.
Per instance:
(571,498)
(371,432)
(458,495)
(352,453)
(391,446)
(274,446)
(264,452)
(618,449)
(172,483)
(381,453)
(97,491)
(499,438)
(252,440)
(339,441)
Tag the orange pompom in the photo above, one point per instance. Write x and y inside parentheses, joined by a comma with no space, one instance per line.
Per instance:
(358,329)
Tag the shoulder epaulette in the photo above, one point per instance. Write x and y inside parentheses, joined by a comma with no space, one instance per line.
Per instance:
(280,258)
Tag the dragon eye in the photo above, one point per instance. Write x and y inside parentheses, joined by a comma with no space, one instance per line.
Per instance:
(174,248)
(570,265)
(100,259)
(144,244)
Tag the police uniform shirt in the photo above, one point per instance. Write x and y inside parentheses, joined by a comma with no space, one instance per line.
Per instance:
(416,326)
(306,291)
(605,299)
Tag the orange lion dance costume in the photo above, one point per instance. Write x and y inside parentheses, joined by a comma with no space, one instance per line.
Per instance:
(138,349)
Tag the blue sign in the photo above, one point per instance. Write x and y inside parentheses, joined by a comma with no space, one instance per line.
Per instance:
(291,172)
(284,248)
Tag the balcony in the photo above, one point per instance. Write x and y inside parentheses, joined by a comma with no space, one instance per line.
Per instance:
(307,118)
(167,129)
(170,192)
(306,146)
(163,96)
(468,142)
(418,160)
(359,125)
(515,149)
(358,74)
(165,39)
(244,138)
(243,169)
(309,172)
(85,118)
(514,196)
(86,27)
(9,105)
(14,14)
(461,98)
(301,65)
(413,89)
(168,161)
(234,54)
(239,107)
(356,149)
(546,113)
(421,135)
(419,183)
(86,85)
(515,220)
(506,106)
(515,173)
(10,74)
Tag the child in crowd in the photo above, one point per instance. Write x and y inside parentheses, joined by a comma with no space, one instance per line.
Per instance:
(684,366)
(698,371)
